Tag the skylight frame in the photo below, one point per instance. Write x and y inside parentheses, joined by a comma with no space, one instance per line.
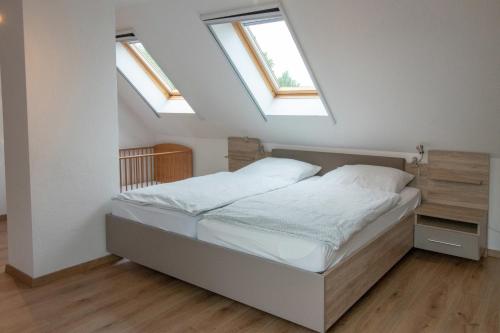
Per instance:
(169,92)
(256,55)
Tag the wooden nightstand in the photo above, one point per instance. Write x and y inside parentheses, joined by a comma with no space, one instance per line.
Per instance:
(453,217)
(451,230)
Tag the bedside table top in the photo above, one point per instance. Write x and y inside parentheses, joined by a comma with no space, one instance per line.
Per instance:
(455,213)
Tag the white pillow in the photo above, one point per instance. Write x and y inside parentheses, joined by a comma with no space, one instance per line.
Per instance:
(285,169)
(370,176)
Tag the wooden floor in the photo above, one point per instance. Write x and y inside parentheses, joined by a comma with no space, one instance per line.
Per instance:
(425,292)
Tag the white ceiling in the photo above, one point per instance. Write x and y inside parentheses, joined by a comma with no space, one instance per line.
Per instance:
(395,73)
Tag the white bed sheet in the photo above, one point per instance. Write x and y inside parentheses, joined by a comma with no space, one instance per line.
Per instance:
(166,219)
(173,220)
(198,195)
(305,254)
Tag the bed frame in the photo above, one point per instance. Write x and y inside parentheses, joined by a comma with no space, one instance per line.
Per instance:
(313,300)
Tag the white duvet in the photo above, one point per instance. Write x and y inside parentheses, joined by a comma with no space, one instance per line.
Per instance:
(316,210)
(200,194)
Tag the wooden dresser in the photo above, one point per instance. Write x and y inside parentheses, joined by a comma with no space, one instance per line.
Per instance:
(453,216)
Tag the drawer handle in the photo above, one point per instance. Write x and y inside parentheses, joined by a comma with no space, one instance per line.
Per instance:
(445,243)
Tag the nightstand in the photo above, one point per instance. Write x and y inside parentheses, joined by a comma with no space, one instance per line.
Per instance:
(452,230)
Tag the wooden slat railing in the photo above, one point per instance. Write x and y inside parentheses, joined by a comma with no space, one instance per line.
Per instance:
(147,166)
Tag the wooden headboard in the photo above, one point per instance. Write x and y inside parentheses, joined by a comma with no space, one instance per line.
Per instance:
(331,161)
(243,151)
(459,179)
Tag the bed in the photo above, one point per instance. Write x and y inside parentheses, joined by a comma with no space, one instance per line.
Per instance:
(312,299)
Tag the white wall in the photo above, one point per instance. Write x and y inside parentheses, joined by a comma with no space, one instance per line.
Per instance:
(494,216)
(3,198)
(15,120)
(133,132)
(70,130)
(394,74)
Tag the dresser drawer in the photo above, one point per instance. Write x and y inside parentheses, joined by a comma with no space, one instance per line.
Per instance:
(451,242)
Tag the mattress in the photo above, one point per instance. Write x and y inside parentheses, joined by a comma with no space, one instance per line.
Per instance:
(166,219)
(309,255)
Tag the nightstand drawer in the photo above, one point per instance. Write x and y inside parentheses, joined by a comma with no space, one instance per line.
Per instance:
(451,242)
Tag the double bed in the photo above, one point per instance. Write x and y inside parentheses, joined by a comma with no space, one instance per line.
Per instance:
(301,280)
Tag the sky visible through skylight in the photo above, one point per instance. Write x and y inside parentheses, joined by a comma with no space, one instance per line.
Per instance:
(279,49)
(153,64)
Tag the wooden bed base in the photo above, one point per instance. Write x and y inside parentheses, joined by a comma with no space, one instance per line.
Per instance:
(313,300)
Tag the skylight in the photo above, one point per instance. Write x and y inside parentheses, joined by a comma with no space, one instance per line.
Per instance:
(152,68)
(273,46)
(261,47)
(144,75)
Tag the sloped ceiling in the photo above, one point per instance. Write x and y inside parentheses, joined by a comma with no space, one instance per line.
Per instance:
(395,73)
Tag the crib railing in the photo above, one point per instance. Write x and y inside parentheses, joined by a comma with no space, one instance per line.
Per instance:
(146,166)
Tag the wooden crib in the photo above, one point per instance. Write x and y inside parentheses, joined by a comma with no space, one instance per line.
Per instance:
(146,166)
